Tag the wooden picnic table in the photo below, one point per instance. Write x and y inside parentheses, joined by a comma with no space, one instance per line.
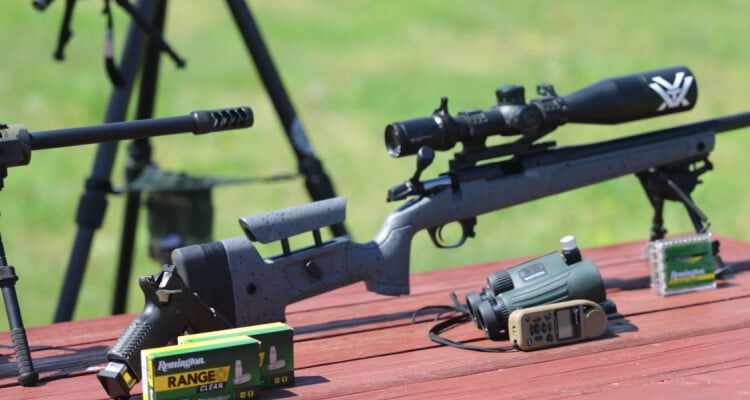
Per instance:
(351,343)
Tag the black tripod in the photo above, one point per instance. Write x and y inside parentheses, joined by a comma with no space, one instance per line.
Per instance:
(144,52)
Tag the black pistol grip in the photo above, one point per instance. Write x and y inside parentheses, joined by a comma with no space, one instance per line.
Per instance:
(158,325)
(164,317)
(124,370)
(127,349)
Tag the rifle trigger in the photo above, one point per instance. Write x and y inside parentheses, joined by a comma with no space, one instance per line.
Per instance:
(467,231)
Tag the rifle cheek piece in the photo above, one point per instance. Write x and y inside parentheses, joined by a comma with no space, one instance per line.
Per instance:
(205,268)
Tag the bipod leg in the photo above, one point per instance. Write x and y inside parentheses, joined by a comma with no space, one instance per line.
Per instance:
(26,374)
(721,268)
(697,217)
(648,181)
(700,223)
(93,202)
(65,32)
(657,223)
(317,182)
(139,157)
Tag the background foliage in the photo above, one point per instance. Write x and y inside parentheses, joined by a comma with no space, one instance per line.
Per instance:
(351,68)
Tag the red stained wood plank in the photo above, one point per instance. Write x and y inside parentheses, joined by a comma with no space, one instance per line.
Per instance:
(70,333)
(391,315)
(731,381)
(620,264)
(406,356)
(435,364)
(629,373)
(628,268)
(354,343)
(59,362)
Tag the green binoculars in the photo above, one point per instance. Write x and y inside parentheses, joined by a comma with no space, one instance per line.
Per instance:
(552,278)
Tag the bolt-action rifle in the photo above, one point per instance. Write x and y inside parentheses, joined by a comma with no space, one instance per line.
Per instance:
(233,279)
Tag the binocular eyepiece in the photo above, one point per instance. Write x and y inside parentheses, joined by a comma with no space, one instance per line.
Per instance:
(552,278)
(610,101)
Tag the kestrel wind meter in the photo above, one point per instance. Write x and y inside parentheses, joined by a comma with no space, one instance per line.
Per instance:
(556,324)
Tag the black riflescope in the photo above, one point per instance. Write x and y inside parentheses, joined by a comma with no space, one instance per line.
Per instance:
(610,101)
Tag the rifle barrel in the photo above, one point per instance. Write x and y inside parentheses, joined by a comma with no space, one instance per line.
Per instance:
(731,122)
(196,122)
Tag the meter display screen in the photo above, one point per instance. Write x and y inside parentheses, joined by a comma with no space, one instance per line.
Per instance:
(564,328)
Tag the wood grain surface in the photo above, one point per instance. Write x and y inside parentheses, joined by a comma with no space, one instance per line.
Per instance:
(352,343)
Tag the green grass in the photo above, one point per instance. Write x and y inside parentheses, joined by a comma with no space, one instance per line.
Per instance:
(351,68)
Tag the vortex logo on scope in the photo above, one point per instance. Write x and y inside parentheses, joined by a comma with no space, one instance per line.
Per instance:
(673,93)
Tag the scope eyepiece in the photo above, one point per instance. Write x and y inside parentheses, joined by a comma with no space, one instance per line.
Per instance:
(407,137)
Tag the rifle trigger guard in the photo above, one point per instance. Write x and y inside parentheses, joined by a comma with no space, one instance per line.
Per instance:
(467,231)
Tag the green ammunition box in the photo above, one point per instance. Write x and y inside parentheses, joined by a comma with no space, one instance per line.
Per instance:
(276,349)
(216,369)
(682,264)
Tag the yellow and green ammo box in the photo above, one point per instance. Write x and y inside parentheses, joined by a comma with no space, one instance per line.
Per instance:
(221,368)
(682,264)
(276,349)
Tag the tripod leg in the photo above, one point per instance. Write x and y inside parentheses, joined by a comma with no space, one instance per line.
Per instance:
(139,157)
(317,182)
(93,203)
(26,374)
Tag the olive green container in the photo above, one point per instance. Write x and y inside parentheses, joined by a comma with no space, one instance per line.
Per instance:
(276,349)
(211,369)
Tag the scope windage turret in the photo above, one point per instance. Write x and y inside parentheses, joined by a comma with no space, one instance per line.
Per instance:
(610,101)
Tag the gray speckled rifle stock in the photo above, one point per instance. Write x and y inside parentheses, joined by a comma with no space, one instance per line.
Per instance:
(246,288)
